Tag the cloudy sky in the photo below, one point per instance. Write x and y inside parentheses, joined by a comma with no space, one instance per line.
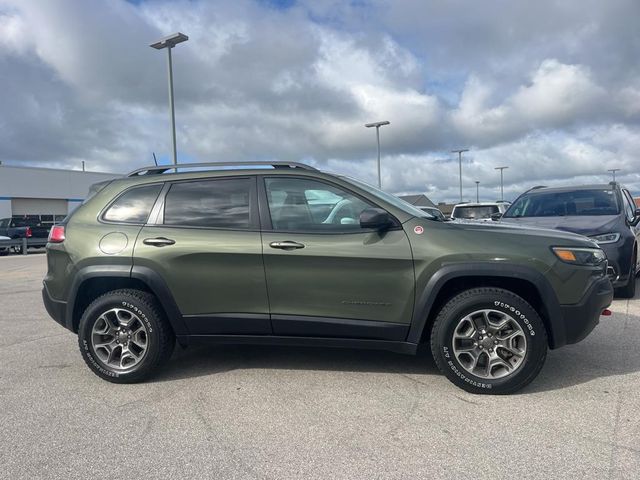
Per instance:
(550,88)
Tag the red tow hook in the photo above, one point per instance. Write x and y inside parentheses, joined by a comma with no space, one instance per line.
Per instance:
(606,312)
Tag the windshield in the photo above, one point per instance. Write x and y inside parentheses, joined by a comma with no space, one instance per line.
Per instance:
(387,197)
(474,212)
(560,204)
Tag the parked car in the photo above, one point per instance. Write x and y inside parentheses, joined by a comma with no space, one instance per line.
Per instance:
(38,228)
(295,256)
(482,211)
(27,226)
(435,212)
(4,249)
(606,213)
(12,229)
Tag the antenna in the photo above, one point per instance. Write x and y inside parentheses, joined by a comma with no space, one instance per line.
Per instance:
(155,160)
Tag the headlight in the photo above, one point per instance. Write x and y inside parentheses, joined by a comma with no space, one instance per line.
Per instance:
(606,238)
(580,256)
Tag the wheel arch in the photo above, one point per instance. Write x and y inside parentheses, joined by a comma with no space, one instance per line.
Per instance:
(91,282)
(525,282)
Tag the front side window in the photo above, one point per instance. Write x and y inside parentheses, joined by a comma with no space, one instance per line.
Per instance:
(297,204)
(571,203)
(134,205)
(220,203)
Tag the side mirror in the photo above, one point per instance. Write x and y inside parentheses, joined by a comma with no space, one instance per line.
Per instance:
(375,218)
(496,216)
(636,218)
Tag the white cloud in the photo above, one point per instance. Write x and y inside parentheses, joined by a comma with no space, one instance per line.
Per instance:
(553,90)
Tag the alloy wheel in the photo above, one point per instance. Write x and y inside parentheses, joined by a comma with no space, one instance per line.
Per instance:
(489,344)
(119,339)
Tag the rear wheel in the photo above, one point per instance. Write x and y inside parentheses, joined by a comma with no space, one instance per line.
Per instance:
(489,340)
(124,336)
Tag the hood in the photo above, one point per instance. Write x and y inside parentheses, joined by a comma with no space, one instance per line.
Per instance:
(583,225)
(524,229)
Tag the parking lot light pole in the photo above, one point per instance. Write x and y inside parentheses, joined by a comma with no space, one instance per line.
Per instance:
(477,191)
(613,172)
(378,125)
(501,181)
(168,43)
(460,151)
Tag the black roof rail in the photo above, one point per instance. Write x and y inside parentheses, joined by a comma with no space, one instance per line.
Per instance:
(159,169)
(538,187)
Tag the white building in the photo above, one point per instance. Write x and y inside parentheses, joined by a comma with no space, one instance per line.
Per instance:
(44,191)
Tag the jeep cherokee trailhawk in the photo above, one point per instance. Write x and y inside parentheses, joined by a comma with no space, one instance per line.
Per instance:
(283,254)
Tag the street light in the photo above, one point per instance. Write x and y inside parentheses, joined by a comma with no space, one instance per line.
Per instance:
(477,191)
(613,171)
(501,181)
(168,43)
(378,125)
(460,151)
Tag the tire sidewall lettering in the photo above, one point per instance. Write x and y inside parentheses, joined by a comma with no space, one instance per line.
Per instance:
(87,352)
(138,312)
(461,375)
(517,314)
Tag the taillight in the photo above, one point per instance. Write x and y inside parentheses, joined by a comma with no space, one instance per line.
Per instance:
(29,233)
(56,234)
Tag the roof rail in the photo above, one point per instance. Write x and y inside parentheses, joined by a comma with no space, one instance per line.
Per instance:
(156,170)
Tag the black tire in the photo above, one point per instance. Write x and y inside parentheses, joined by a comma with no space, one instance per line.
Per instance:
(629,290)
(503,302)
(159,336)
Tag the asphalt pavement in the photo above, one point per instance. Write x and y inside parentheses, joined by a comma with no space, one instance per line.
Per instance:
(278,412)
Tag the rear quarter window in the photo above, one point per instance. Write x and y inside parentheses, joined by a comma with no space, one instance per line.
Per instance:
(133,206)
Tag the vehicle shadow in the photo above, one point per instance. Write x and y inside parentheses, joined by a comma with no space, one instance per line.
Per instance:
(196,361)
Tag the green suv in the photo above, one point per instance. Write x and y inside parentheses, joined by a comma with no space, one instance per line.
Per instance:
(283,254)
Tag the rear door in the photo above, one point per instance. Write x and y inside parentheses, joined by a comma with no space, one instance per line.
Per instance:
(204,241)
(326,276)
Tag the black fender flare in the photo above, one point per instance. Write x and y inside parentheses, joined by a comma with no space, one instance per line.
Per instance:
(426,299)
(87,273)
(161,290)
(149,277)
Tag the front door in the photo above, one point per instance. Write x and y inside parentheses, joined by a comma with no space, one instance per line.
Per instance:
(205,243)
(326,276)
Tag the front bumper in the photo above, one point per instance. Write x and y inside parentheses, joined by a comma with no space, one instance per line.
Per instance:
(580,319)
(56,309)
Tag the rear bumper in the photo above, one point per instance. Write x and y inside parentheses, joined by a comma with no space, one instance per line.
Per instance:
(580,319)
(56,309)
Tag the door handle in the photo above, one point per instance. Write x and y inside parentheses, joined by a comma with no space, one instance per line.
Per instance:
(158,241)
(286,245)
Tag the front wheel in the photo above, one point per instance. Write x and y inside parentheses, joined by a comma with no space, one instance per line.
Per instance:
(124,336)
(489,341)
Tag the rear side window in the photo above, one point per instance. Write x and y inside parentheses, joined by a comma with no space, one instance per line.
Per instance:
(221,203)
(133,206)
